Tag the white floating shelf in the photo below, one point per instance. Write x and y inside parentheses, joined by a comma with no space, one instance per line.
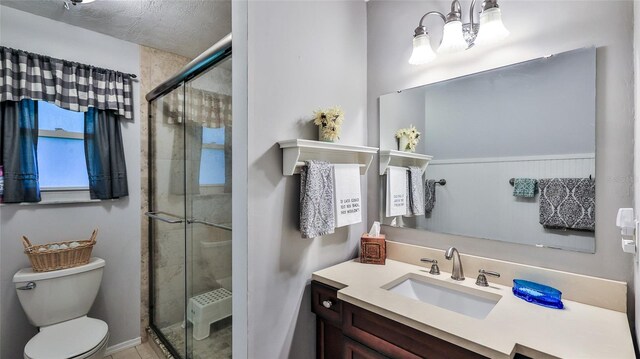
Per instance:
(402,159)
(295,152)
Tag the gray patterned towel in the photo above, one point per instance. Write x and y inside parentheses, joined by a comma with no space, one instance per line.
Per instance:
(415,204)
(568,203)
(429,195)
(525,187)
(316,199)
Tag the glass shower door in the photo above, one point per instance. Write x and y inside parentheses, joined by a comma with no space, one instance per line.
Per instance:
(208,209)
(190,215)
(167,220)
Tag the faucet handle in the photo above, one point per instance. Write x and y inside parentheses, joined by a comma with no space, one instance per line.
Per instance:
(435,270)
(482,278)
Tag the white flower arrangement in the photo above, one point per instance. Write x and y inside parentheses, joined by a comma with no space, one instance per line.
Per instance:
(412,135)
(329,122)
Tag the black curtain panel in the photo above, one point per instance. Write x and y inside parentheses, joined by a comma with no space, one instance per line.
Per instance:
(105,154)
(18,150)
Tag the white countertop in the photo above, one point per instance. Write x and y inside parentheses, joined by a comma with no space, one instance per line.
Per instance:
(513,325)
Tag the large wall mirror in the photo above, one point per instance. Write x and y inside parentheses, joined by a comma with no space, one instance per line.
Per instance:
(528,126)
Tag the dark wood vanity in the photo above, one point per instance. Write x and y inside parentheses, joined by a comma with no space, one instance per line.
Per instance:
(347,331)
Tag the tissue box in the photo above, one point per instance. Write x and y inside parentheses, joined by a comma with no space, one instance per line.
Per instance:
(373,250)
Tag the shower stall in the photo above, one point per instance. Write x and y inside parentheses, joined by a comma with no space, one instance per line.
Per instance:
(190,148)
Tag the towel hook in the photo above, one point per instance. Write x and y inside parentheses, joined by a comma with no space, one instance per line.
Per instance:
(512,181)
(442,182)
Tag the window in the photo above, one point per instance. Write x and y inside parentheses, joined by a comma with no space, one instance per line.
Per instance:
(61,160)
(62,164)
(212,166)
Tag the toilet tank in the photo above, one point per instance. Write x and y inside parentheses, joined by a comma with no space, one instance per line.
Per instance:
(58,295)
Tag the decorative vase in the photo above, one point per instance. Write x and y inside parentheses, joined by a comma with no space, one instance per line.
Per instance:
(403,143)
(322,137)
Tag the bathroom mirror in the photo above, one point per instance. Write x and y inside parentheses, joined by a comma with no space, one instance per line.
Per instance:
(525,123)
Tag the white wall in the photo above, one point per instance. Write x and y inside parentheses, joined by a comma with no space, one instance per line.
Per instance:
(537,28)
(302,56)
(118,302)
(240,168)
(636,172)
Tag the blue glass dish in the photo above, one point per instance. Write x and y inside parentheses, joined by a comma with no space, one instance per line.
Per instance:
(537,293)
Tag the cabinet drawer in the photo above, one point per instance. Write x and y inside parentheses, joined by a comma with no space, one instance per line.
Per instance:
(355,350)
(325,303)
(396,340)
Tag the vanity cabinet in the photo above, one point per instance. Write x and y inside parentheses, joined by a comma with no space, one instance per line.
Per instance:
(348,331)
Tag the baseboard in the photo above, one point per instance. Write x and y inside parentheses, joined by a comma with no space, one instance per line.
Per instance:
(122,346)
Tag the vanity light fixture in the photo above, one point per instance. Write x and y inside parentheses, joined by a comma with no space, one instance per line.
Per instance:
(457,36)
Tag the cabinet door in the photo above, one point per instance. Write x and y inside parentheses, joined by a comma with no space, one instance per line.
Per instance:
(355,350)
(329,340)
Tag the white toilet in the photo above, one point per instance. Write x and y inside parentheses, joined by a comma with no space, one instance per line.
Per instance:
(57,303)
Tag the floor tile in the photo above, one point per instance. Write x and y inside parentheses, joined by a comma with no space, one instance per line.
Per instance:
(146,352)
(130,353)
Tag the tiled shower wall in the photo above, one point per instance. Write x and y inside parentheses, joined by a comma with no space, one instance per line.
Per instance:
(155,67)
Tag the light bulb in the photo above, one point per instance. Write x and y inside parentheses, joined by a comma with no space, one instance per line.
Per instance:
(452,38)
(422,51)
(491,27)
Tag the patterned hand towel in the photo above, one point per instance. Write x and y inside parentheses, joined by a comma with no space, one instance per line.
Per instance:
(316,199)
(568,203)
(525,187)
(415,204)
(429,195)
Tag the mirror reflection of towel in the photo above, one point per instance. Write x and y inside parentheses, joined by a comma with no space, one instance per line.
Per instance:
(396,191)
(568,203)
(348,199)
(525,187)
(316,199)
(415,202)
(429,195)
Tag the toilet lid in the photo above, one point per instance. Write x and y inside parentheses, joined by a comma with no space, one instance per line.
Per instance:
(67,339)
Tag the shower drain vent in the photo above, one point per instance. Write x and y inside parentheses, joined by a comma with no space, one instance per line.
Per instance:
(208,308)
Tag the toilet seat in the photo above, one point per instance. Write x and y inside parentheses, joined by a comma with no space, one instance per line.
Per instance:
(76,338)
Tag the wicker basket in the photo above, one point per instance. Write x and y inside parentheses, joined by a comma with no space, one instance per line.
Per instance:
(47,260)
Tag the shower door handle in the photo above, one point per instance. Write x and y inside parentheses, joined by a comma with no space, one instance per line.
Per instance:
(155,215)
(199,221)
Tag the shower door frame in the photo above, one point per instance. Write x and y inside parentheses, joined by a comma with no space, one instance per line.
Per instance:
(217,53)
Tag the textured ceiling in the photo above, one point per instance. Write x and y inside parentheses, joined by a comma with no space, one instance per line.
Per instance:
(184,27)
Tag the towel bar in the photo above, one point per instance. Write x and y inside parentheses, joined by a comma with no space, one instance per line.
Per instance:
(300,164)
(513,180)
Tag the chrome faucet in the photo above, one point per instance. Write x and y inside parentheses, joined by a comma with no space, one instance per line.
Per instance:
(456,272)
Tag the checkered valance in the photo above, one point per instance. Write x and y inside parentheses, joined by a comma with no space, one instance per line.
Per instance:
(70,85)
(207,108)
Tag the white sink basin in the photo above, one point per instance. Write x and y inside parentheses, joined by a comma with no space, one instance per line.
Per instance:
(459,299)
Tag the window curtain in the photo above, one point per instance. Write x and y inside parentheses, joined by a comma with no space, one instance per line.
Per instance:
(18,151)
(105,155)
(69,85)
(201,108)
(209,109)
